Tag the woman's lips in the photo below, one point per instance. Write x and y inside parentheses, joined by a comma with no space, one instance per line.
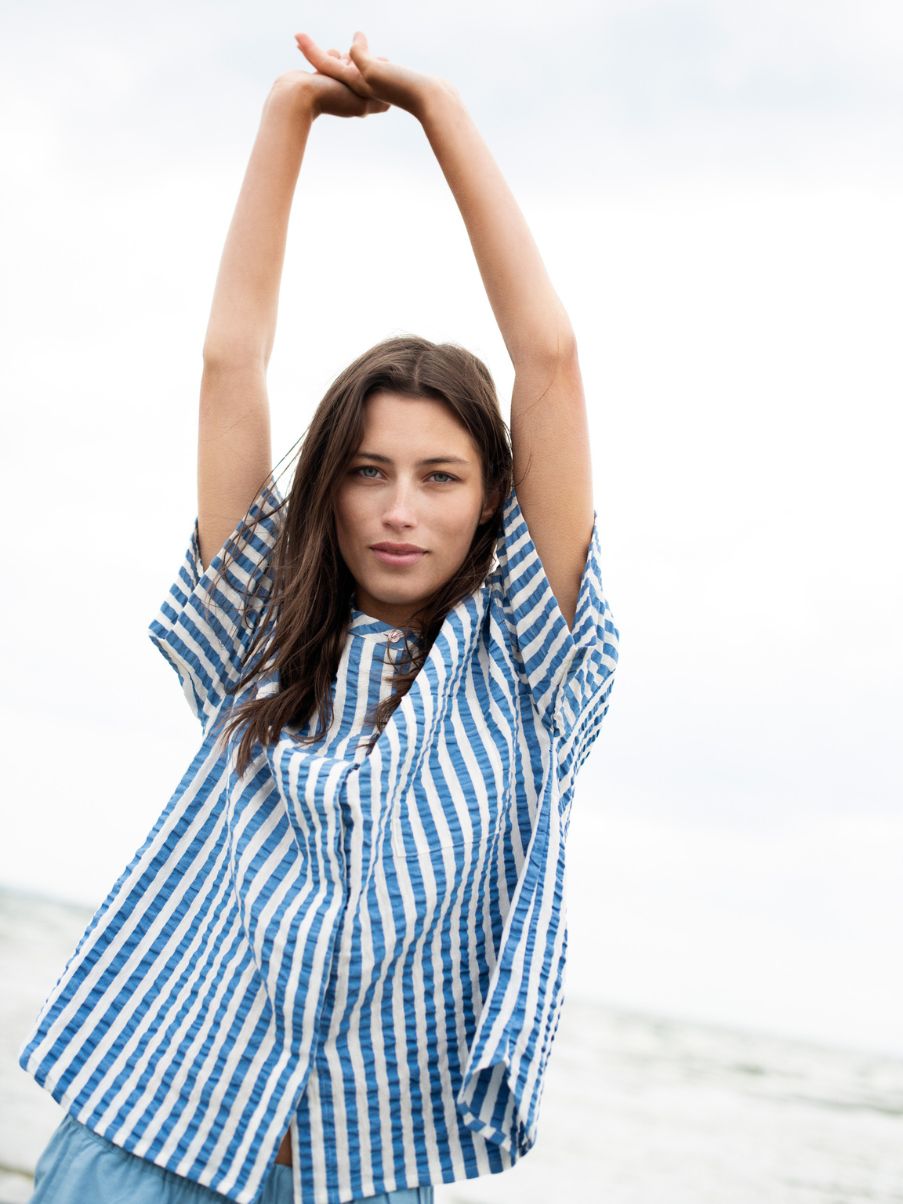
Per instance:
(399,558)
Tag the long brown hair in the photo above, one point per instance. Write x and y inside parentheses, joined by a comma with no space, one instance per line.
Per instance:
(308,608)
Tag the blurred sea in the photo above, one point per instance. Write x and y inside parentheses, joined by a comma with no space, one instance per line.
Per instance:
(638,1109)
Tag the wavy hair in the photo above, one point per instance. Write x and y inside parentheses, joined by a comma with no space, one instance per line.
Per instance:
(307,610)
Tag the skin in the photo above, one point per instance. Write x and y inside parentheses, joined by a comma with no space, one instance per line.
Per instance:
(436,506)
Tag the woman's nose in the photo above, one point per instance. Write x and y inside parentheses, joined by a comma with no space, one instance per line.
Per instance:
(400,507)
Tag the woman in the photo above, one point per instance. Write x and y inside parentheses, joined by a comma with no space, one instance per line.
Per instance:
(334,969)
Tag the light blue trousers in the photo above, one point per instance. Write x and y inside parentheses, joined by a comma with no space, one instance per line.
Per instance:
(78,1166)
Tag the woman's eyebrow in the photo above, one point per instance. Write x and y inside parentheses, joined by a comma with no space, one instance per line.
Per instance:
(420,463)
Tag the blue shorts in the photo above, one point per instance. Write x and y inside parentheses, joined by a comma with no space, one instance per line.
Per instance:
(78,1166)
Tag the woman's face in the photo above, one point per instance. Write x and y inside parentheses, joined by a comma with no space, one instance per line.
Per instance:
(389,495)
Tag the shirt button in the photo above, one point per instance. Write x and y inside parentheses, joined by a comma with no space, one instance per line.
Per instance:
(394,635)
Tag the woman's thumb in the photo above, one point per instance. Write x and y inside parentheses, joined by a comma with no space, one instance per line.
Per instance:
(359,51)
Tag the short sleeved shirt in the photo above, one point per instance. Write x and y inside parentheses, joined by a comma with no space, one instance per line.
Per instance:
(364,947)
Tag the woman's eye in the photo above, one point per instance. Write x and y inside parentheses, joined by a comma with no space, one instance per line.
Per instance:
(363,468)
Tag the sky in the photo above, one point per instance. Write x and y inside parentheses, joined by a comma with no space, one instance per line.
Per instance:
(716,192)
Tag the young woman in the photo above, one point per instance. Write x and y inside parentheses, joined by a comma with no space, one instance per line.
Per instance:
(334,969)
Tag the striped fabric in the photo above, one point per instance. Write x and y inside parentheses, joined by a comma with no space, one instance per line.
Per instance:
(366,948)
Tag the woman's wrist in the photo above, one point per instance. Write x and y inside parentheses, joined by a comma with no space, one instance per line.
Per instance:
(292,91)
(297,92)
(438,96)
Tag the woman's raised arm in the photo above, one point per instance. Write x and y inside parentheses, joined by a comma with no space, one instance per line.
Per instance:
(549,424)
(234,454)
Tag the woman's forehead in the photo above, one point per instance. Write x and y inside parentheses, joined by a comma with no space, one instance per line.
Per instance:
(413,430)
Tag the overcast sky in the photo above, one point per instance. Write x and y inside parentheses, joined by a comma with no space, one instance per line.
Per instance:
(716,191)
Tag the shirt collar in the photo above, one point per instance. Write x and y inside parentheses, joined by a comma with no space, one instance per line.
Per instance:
(366,625)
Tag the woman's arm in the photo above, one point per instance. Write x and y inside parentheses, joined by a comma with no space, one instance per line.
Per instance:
(234,455)
(531,318)
(549,425)
(242,324)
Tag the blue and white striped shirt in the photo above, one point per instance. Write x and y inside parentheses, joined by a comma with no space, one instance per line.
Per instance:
(366,948)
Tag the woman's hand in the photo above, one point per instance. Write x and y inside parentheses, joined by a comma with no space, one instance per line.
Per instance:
(325,94)
(373,78)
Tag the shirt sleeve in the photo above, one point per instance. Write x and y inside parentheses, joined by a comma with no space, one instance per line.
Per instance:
(567,670)
(504,1074)
(199,627)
